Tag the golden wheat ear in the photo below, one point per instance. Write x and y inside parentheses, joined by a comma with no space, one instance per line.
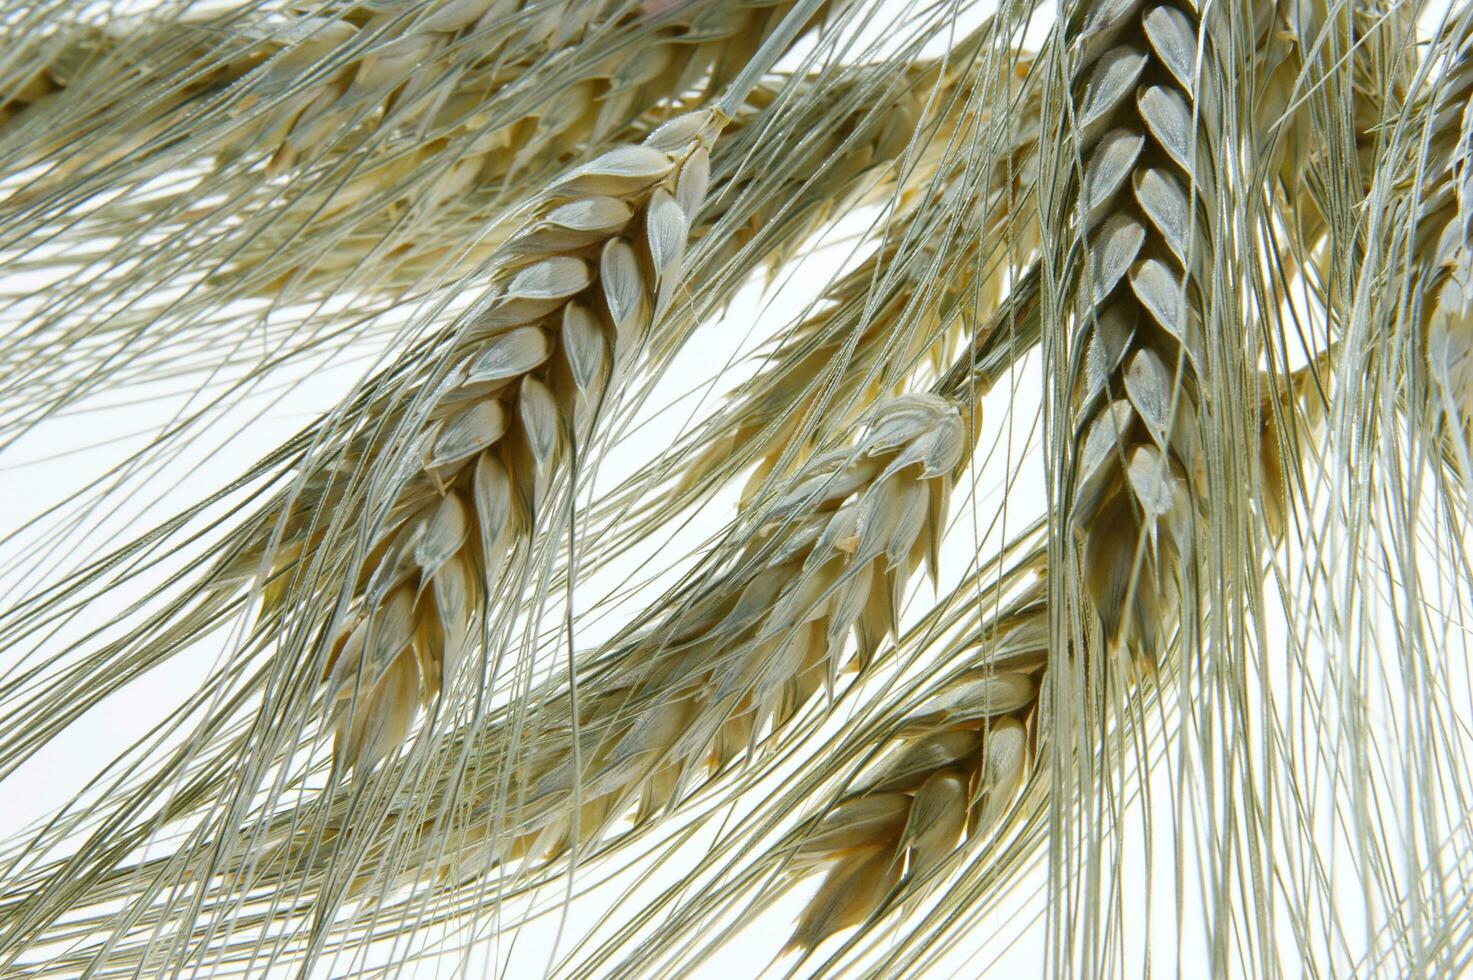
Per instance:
(598,260)
(597,263)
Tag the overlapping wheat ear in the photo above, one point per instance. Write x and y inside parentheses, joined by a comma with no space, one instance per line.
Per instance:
(118,322)
(529,370)
(937,775)
(421,108)
(744,649)
(344,76)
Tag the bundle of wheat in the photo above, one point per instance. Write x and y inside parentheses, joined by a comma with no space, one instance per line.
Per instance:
(525,210)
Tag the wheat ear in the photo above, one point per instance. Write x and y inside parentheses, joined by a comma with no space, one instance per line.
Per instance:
(747,648)
(455,525)
(596,262)
(1134,216)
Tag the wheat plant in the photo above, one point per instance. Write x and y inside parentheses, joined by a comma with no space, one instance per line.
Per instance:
(508,434)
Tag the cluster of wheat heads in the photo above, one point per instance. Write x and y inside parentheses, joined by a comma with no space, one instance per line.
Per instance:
(1149,346)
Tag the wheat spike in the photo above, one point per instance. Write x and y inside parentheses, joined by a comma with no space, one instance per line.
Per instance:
(1137,208)
(594,266)
(954,766)
(746,649)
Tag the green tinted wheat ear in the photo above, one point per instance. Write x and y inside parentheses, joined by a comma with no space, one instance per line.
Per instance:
(1134,228)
